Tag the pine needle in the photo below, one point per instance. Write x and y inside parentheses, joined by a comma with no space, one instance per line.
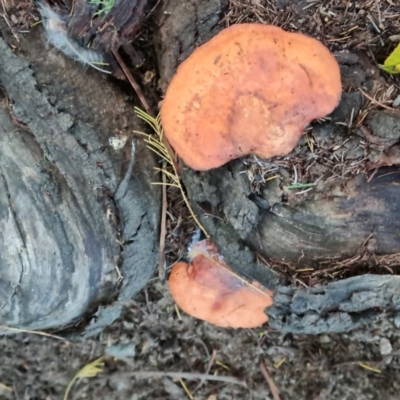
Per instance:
(156,145)
(185,388)
(369,368)
(192,376)
(88,371)
(163,233)
(279,363)
(39,333)
(5,387)
(106,6)
(373,100)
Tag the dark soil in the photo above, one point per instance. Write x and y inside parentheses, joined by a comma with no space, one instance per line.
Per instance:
(152,335)
(302,367)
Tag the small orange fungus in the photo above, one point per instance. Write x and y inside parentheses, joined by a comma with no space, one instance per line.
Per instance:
(209,290)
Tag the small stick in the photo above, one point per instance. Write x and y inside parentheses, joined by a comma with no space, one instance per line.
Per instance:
(17,330)
(163,229)
(376,101)
(193,376)
(132,81)
(376,140)
(143,100)
(210,364)
(271,383)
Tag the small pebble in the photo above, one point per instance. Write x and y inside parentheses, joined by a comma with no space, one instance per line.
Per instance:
(324,339)
(121,351)
(396,102)
(397,320)
(128,325)
(385,347)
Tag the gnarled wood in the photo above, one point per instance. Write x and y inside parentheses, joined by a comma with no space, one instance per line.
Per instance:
(312,230)
(74,212)
(105,31)
(337,307)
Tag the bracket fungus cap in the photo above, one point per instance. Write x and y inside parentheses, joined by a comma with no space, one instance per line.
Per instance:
(251,89)
(210,290)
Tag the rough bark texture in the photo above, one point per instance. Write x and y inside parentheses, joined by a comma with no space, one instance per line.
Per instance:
(315,229)
(103,30)
(72,209)
(182,27)
(337,221)
(337,307)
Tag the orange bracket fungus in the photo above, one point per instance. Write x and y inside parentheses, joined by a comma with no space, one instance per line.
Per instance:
(251,89)
(209,290)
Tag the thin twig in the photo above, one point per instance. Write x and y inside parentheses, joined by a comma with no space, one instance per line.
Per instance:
(72,8)
(142,99)
(207,371)
(377,102)
(163,229)
(133,82)
(376,140)
(271,383)
(191,376)
(151,11)
(17,330)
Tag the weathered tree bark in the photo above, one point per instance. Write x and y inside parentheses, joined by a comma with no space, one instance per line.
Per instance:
(348,216)
(74,212)
(104,30)
(337,307)
(313,230)
(182,27)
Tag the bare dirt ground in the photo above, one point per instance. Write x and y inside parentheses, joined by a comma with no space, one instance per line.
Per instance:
(155,338)
(152,336)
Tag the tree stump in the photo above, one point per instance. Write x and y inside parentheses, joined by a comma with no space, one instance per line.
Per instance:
(78,214)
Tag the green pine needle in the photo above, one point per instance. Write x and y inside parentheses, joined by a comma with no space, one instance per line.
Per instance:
(300,186)
(106,6)
(156,145)
(88,371)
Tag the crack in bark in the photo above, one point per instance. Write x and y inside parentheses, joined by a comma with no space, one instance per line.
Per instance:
(20,231)
(123,186)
